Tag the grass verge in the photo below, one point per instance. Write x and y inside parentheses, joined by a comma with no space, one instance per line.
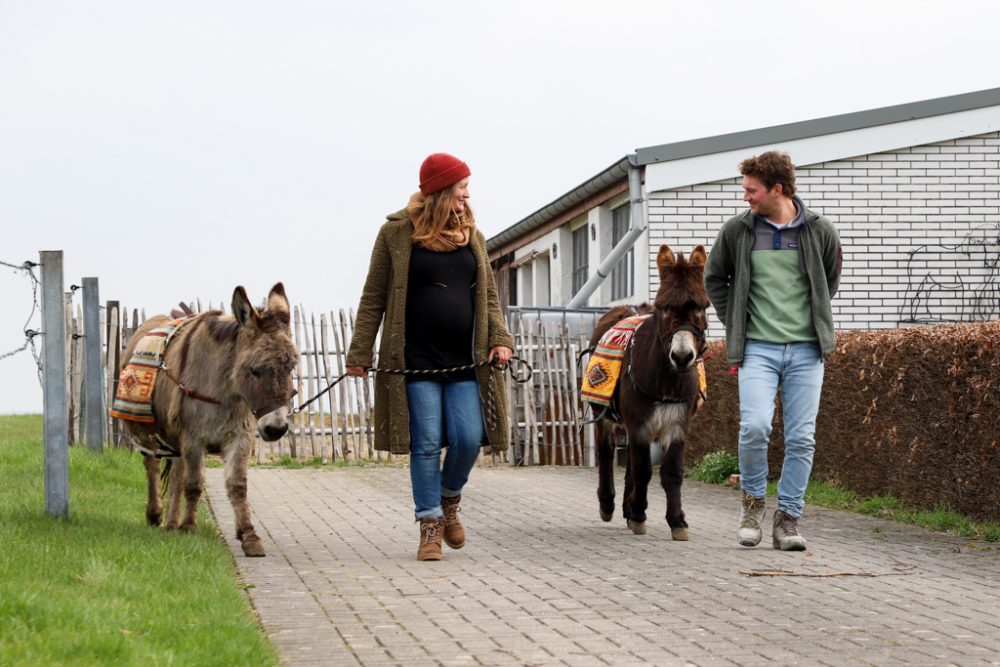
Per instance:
(716,467)
(101,587)
(942,519)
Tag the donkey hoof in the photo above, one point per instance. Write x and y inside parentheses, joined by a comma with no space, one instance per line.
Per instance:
(606,516)
(253,547)
(153,518)
(638,527)
(188,527)
(679,534)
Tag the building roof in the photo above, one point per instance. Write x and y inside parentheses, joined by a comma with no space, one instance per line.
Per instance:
(751,138)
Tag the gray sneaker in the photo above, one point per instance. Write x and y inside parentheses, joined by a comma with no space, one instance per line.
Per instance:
(786,533)
(749,532)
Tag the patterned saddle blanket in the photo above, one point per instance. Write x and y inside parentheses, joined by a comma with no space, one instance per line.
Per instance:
(605,364)
(134,398)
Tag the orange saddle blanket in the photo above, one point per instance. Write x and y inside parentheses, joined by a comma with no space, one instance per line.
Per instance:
(605,364)
(134,398)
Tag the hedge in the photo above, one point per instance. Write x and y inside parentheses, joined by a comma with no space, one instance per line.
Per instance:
(909,412)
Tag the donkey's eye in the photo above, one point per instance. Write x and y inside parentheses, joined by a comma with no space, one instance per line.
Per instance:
(254,372)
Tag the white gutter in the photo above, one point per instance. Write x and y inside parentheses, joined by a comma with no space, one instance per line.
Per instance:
(635,230)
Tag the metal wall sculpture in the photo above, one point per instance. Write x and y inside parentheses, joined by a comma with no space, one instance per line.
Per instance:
(954,283)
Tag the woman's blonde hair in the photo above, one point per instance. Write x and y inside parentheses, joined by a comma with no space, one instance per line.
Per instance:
(436,224)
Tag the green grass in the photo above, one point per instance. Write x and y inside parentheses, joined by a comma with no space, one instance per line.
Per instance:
(101,587)
(941,519)
(717,466)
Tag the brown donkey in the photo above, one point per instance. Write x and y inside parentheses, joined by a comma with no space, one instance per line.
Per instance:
(219,375)
(657,392)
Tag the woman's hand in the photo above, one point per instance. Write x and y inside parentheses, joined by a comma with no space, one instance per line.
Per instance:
(501,354)
(357,371)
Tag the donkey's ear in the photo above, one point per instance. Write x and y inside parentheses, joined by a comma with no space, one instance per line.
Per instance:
(277,301)
(698,256)
(665,259)
(242,308)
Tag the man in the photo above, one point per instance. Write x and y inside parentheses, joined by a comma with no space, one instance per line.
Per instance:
(771,274)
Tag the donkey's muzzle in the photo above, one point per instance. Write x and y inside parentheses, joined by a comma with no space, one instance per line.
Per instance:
(683,360)
(271,433)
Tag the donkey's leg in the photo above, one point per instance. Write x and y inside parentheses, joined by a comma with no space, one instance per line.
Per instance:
(175,485)
(237,456)
(606,469)
(154,507)
(640,470)
(671,477)
(194,460)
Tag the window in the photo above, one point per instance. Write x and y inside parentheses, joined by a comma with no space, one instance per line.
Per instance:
(580,254)
(623,275)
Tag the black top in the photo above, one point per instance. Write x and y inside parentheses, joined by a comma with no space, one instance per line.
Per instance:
(440,307)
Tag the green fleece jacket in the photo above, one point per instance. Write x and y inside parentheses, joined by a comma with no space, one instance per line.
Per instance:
(383,304)
(727,277)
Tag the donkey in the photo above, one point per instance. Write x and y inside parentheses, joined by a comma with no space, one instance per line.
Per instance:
(219,375)
(274,425)
(657,392)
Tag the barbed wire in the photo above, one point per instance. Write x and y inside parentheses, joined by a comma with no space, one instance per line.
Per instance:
(30,334)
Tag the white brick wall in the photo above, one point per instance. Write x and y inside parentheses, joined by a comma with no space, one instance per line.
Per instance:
(925,215)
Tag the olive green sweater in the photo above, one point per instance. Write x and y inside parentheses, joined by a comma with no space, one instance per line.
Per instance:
(727,277)
(383,304)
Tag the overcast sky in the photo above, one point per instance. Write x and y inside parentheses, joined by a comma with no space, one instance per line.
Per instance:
(178,149)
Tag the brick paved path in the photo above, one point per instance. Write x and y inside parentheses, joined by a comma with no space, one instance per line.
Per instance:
(542,581)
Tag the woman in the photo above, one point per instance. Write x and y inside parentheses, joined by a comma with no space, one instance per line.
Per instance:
(430,279)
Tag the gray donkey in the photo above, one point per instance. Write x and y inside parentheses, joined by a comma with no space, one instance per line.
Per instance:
(219,375)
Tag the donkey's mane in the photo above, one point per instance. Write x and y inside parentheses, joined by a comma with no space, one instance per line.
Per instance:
(274,319)
(223,327)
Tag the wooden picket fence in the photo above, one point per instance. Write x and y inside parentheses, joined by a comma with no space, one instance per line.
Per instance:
(544,416)
(547,413)
(337,426)
(113,328)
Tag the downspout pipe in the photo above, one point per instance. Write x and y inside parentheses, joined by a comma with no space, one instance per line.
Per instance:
(636,228)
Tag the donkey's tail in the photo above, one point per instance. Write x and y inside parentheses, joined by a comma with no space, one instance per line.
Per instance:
(168,463)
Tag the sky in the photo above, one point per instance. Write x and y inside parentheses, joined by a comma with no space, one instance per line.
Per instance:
(175,150)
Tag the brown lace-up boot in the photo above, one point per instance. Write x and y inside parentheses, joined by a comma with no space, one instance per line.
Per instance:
(749,531)
(454,533)
(430,539)
(786,533)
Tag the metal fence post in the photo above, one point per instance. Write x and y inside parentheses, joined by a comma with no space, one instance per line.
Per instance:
(93,382)
(54,395)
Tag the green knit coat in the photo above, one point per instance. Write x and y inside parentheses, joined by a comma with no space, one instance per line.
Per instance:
(383,303)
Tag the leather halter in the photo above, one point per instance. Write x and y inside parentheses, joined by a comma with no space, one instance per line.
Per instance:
(188,391)
(698,332)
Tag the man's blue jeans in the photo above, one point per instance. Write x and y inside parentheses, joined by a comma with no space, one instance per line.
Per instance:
(442,413)
(797,368)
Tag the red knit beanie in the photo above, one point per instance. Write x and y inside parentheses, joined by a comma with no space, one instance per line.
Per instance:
(441,170)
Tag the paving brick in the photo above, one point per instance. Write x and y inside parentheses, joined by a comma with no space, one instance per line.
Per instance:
(542,581)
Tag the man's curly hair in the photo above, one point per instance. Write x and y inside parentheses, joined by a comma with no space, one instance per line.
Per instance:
(770,168)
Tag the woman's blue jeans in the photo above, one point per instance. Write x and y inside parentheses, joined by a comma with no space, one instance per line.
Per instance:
(442,414)
(797,368)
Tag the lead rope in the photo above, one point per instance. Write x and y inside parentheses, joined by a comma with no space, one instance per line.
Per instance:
(522,375)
